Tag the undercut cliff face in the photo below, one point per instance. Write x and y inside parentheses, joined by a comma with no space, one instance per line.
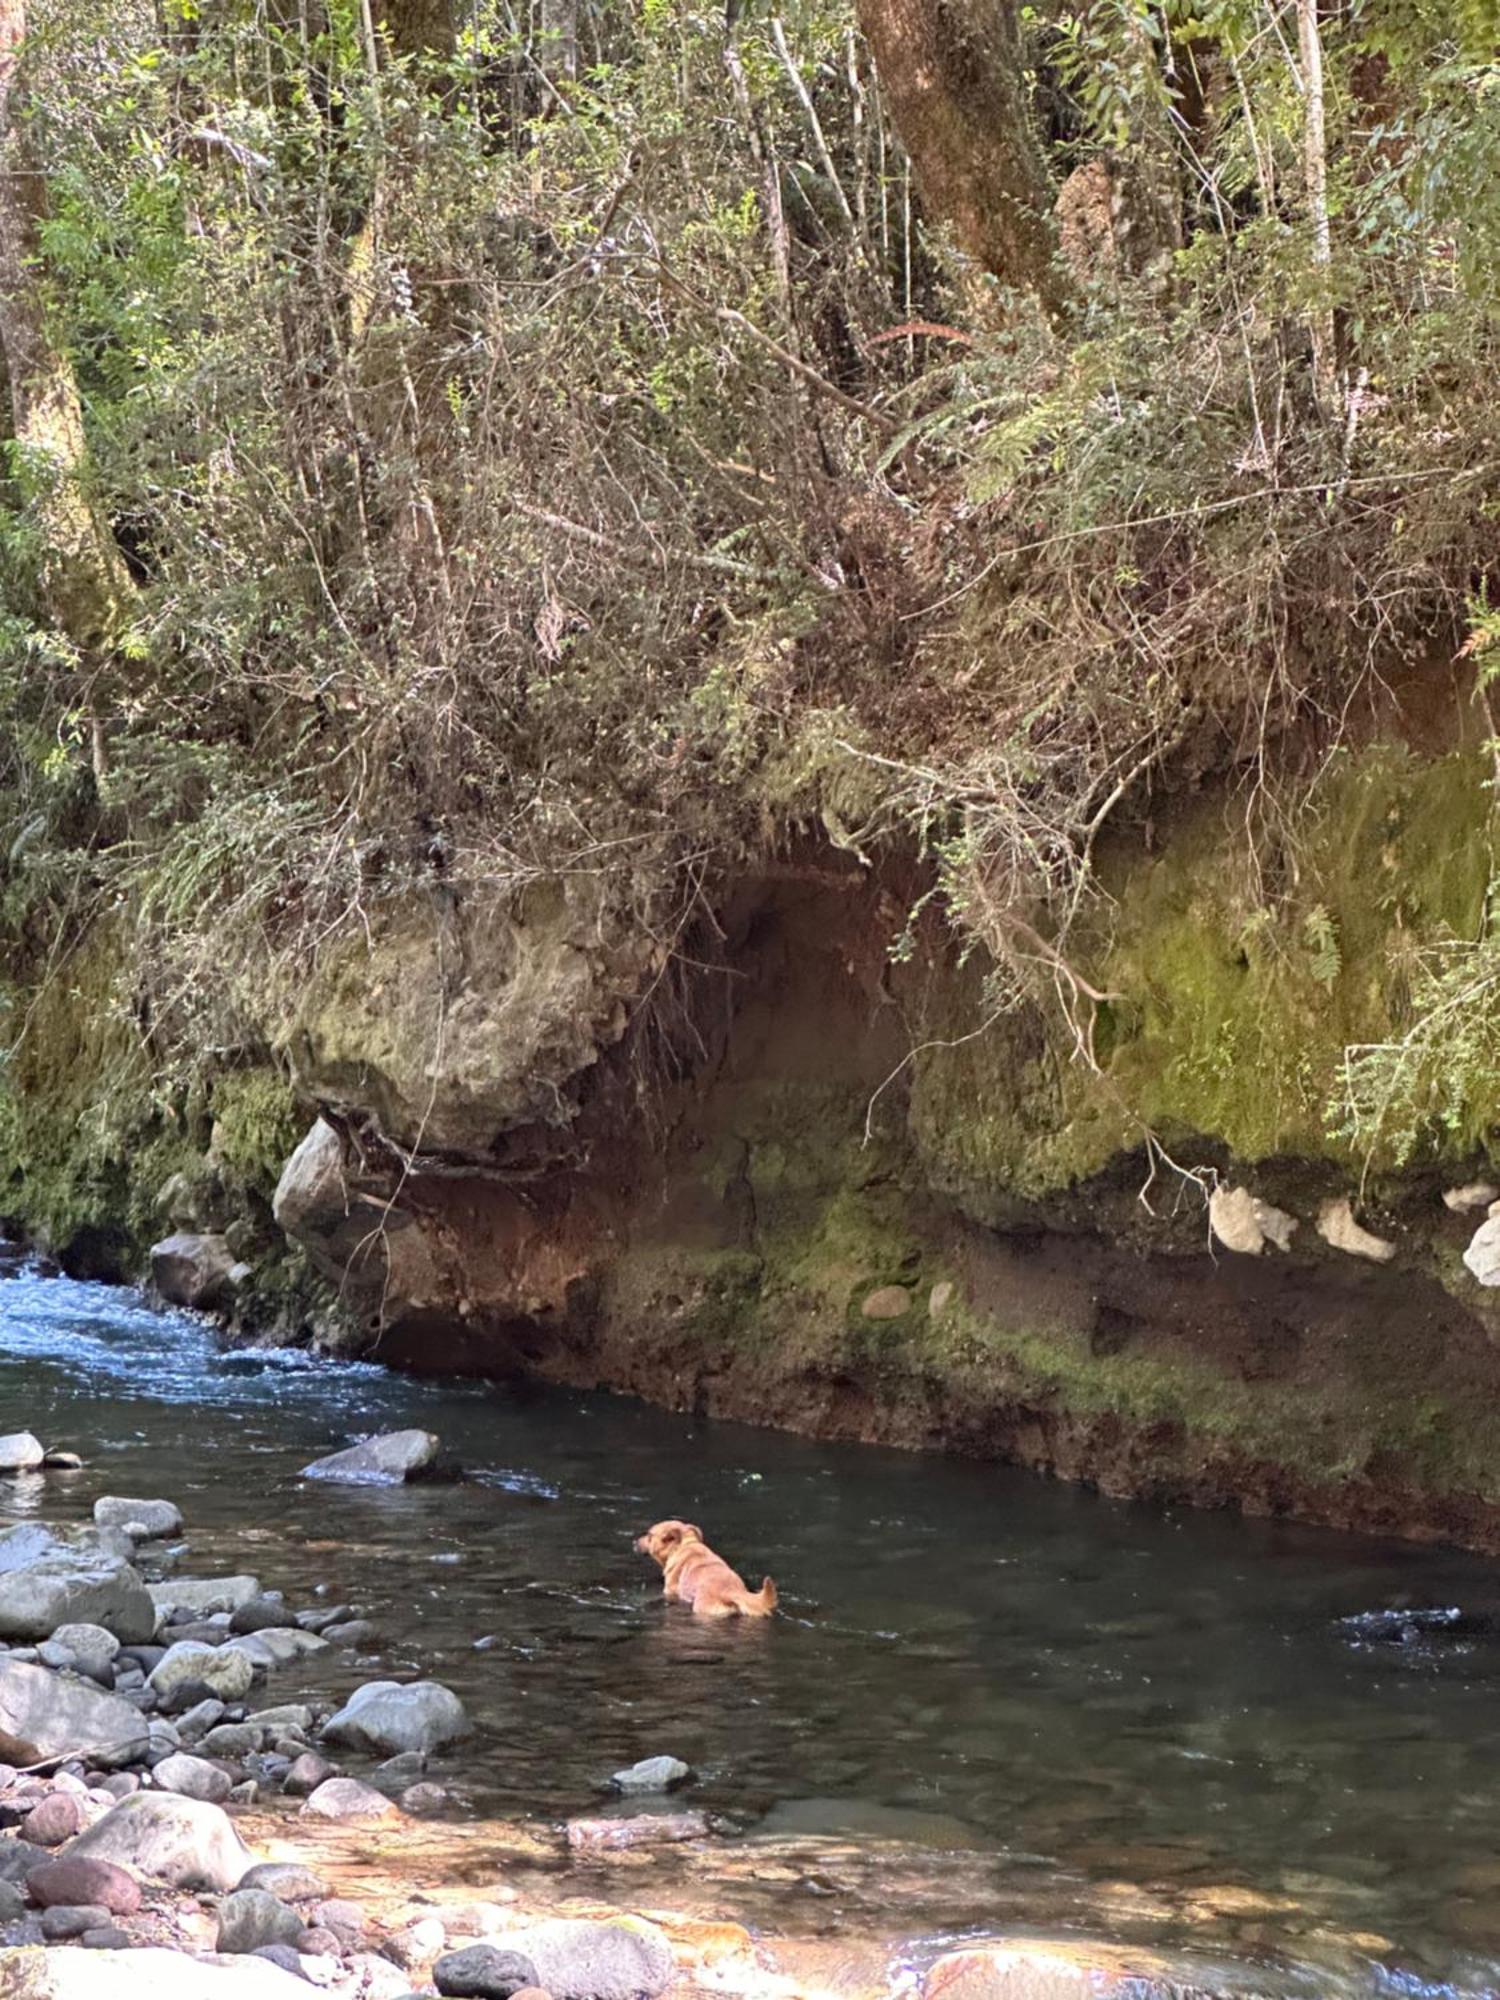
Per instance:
(778,1173)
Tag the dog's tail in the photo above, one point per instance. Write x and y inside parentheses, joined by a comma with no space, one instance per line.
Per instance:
(764,1600)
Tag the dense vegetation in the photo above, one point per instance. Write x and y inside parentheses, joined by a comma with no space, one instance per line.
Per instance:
(453,445)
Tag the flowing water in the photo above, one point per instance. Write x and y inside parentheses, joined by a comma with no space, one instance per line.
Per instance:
(991,1703)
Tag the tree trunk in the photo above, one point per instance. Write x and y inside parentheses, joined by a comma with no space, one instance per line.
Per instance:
(953,73)
(418,27)
(83,573)
(1315,170)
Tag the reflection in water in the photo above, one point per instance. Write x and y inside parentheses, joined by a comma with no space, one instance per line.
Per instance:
(990,1702)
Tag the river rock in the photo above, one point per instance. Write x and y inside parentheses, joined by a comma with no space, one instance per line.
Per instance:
(204,1596)
(1339,1230)
(1474,1194)
(93,1649)
(43,1715)
(55,1819)
(886,1302)
(378,1461)
(1024,1969)
(346,1798)
(1483,1254)
(287,1880)
(33,1973)
(21,1452)
(293,1715)
(18,1858)
(156,1519)
(352,1633)
(65,1921)
(595,1836)
(652,1774)
(234,1740)
(75,1878)
(184,1842)
(276,1646)
(425,1801)
(225,1672)
(577,1959)
(42,1587)
(192,1270)
(195,1723)
(251,1918)
(387,1717)
(307,1772)
(193,1778)
(483,1972)
(1243,1222)
(258,1615)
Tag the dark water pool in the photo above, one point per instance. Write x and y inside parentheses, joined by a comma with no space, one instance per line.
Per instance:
(992,1702)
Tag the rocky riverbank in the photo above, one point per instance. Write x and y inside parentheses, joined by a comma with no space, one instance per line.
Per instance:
(784,1176)
(169,1826)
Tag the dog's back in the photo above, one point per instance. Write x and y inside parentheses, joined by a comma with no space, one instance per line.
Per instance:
(694,1574)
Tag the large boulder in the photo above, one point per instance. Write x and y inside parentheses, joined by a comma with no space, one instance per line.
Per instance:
(148,1520)
(21,1452)
(193,1271)
(32,1973)
(387,1718)
(387,1260)
(529,988)
(44,1715)
(185,1843)
(45,1583)
(203,1595)
(223,1671)
(378,1461)
(578,1959)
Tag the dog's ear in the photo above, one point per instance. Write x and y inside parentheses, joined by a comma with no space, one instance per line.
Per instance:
(689,1529)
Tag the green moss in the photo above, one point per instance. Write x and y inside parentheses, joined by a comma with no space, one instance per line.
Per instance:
(1241,1009)
(257,1123)
(80,1115)
(1235,1006)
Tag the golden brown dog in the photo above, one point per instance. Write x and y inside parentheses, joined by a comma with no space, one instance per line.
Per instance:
(693,1574)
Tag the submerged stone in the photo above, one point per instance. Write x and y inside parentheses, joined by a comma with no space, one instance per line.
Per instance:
(1026,1969)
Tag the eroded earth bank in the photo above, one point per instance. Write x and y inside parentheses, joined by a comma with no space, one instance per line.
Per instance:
(794,1162)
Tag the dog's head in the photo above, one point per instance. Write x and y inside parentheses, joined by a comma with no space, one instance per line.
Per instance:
(659,1542)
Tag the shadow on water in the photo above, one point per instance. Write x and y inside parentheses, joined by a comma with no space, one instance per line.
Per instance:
(992,1702)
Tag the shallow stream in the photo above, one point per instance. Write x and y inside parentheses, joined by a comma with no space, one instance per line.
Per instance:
(992,1703)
